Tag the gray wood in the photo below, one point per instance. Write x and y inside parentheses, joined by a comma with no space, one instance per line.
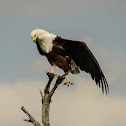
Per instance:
(31,119)
(46,99)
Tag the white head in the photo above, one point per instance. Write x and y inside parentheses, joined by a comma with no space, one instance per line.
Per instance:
(37,33)
(44,39)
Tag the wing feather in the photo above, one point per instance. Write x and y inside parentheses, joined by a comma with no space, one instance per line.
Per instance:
(84,58)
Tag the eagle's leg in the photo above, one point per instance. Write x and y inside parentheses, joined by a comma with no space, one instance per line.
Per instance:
(53,67)
(68,81)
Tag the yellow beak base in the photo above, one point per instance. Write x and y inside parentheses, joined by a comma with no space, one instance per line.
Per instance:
(34,38)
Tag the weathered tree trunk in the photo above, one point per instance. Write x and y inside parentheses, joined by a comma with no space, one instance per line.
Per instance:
(45,111)
(46,100)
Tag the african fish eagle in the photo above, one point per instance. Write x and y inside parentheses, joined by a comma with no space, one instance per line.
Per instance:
(68,54)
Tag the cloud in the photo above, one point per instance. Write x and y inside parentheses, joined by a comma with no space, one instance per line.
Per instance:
(13,96)
(80,104)
(86,106)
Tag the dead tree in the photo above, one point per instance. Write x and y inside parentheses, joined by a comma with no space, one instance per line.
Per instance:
(46,99)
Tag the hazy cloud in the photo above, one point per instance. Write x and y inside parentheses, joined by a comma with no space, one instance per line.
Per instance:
(86,106)
(80,104)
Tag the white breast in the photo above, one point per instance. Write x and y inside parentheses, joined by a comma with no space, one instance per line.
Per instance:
(45,42)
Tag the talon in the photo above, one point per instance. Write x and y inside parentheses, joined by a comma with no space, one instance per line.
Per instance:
(64,83)
(68,82)
(71,83)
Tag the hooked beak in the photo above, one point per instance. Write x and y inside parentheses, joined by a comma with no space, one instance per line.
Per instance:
(34,38)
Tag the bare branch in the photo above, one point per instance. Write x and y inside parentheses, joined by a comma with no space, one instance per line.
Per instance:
(27,120)
(31,119)
(41,96)
(47,88)
(59,81)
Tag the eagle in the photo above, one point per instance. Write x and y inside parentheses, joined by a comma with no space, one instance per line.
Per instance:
(68,54)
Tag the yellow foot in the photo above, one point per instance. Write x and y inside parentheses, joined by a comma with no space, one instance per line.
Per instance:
(68,82)
(54,73)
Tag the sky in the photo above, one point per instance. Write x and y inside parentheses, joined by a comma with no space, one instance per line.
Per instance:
(101,24)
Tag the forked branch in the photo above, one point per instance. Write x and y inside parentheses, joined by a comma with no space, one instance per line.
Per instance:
(46,99)
(31,119)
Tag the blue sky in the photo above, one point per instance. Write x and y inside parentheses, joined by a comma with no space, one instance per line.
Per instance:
(100,23)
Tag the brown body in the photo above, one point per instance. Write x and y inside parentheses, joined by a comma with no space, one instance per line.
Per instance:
(55,57)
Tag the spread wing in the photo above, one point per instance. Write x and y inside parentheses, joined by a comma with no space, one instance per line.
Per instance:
(84,58)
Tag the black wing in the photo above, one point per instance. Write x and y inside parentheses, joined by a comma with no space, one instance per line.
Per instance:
(84,58)
(39,48)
